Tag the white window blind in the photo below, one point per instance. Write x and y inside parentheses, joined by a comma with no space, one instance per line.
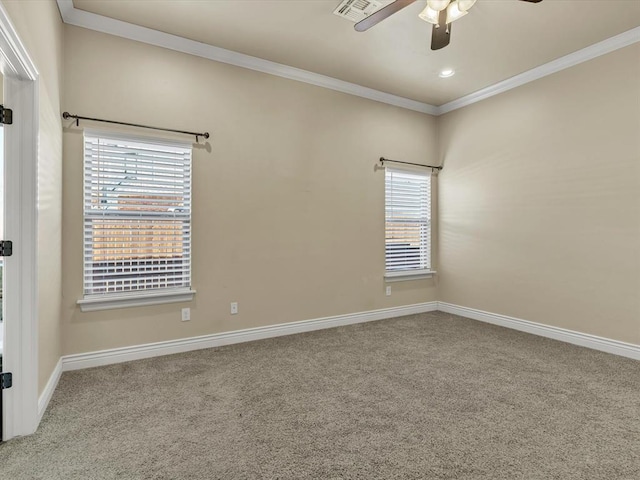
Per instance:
(137,215)
(407,220)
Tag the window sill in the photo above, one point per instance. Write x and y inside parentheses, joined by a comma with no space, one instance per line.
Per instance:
(403,275)
(107,302)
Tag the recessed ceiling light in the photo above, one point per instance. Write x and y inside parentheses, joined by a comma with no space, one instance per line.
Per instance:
(447,72)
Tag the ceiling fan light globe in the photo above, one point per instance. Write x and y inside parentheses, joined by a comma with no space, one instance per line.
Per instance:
(454,12)
(429,15)
(465,5)
(438,5)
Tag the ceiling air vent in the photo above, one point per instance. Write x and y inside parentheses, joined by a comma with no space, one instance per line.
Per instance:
(356,10)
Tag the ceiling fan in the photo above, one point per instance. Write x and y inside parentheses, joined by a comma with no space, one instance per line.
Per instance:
(440,13)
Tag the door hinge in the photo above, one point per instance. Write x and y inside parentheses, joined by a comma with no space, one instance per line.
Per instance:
(6,380)
(6,248)
(6,115)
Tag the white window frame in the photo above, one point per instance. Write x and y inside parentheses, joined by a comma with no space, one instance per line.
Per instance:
(396,275)
(143,297)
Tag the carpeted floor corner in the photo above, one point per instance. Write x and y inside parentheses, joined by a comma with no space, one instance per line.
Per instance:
(430,396)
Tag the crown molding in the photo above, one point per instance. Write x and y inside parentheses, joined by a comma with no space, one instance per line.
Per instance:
(100,23)
(606,46)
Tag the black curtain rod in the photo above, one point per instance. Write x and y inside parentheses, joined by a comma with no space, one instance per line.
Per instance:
(382,160)
(67,115)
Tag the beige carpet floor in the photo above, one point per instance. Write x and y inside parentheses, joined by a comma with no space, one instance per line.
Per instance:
(430,396)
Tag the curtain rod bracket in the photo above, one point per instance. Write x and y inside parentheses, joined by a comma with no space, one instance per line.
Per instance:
(432,167)
(67,116)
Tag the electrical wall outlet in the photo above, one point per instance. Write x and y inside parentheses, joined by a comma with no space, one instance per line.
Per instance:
(186,314)
(234,308)
(388,291)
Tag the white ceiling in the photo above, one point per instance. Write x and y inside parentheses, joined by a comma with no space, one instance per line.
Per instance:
(495,41)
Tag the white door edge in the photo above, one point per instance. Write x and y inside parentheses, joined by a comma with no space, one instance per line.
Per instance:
(20,356)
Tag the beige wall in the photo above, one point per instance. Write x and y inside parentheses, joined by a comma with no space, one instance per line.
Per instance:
(540,200)
(540,213)
(288,209)
(40,28)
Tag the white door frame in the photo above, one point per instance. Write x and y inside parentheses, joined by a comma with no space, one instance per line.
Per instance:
(20,292)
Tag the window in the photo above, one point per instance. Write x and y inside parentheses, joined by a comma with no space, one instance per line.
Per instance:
(407,223)
(137,221)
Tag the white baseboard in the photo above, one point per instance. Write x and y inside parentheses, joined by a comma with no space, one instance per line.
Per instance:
(570,336)
(137,352)
(47,393)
